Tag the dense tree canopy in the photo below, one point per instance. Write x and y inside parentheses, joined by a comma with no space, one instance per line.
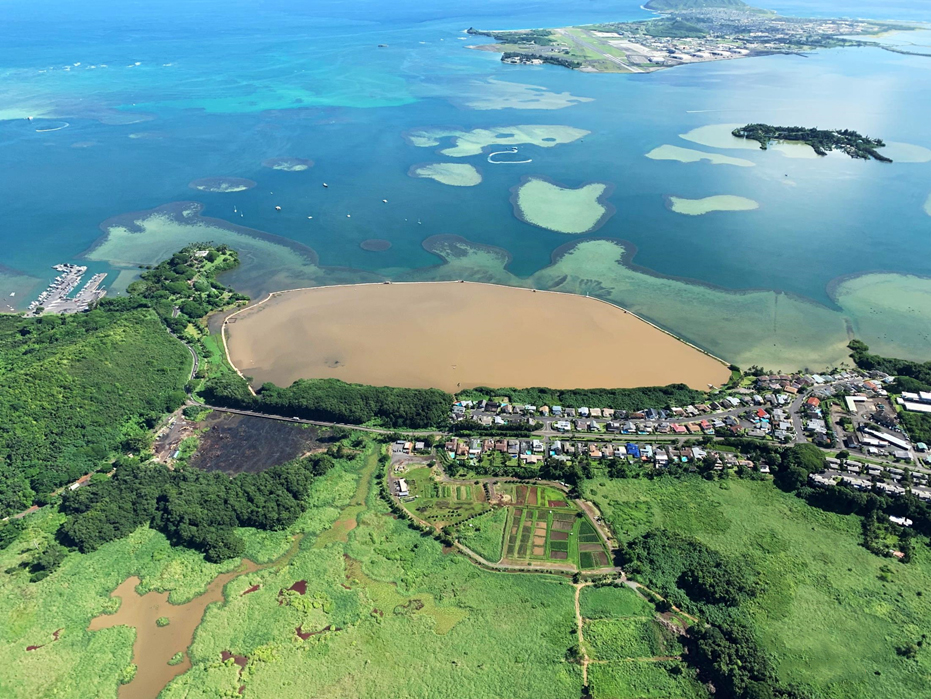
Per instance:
(192,508)
(332,400)
(630,399)
(73,389)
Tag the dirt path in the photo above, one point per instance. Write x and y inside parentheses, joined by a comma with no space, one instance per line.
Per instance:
(579,622)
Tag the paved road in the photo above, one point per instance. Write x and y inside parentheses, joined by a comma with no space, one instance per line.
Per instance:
(320,423)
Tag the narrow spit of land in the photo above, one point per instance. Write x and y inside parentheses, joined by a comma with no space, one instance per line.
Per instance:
(452,335)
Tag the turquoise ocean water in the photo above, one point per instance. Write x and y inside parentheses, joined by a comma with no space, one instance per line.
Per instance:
(184,91)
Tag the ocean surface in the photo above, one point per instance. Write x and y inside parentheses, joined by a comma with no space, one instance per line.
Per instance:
(130,103)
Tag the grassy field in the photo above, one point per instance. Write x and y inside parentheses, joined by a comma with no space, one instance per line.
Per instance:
(485,534)
(608,602)
(828,612)
(643,680)
(384,612)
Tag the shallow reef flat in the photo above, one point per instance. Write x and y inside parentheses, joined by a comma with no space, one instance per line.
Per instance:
(890,312)
(719,136)
(467,143)
(745,327)
(689,155)
(755,326)
(268,262)
(222,185)
(16,289)
(545,204)
(906,153)
(501,94)
(928,205)
(288,164)
(452,174)
(707,205)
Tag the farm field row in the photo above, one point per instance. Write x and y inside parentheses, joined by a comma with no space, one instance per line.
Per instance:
(541,524)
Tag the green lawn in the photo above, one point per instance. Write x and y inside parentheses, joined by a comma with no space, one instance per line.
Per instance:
(644,680)
(607,602)
(485,534)
(824,613)
(633,637)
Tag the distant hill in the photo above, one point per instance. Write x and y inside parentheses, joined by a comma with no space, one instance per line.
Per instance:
(672,5)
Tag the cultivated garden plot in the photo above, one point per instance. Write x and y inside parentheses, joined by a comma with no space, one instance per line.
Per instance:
(538,524)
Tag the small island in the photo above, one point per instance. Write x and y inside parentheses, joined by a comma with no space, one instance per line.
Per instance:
(821,141)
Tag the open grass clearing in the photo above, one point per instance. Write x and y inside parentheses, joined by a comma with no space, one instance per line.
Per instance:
(824,612)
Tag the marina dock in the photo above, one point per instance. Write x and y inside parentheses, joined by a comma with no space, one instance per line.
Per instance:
(56,299)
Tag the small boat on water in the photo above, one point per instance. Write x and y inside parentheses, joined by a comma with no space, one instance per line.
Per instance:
(277,208)
(385,201)
(325,184)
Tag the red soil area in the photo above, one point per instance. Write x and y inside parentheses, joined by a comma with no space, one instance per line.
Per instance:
(55,634)
(304,635)
(254,588)
(240,660)
(300,587)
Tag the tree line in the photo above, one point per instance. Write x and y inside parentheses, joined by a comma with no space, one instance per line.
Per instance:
(192,508)
(629,399)
(332,400)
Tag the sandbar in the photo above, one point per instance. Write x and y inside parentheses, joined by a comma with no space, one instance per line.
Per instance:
(562,209)
(706,205)
(501,94)
(719,136)
(375,245)
(453,335)
(222,185)
(466,143)
(906,153)
(288,164)
(452,174)
(688,155)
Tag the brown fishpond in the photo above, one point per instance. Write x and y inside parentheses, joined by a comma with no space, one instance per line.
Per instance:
(453,336)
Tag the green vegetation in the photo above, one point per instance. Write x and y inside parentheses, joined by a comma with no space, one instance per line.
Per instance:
(176,658)
(823,614)
(332,400)
(162,621)
(183,289)
(192,508)
(673,27)
(382,599)
(74,390)
(615,639)
(673,5)
(646,680)
(442,504)
(484,534)
(821,141)
(607,601)
(629,399)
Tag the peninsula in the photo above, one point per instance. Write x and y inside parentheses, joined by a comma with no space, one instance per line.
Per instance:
(687,31)
(821,141)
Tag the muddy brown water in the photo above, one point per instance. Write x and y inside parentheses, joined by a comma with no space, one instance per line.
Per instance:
(155,645)
(452,335)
